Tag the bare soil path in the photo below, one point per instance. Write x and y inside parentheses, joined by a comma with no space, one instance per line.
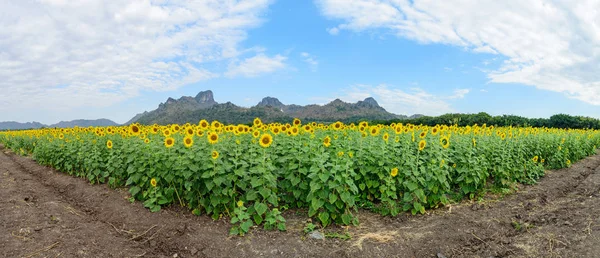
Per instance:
(45,213)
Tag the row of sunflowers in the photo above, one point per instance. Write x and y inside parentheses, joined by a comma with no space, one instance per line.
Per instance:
(252,173)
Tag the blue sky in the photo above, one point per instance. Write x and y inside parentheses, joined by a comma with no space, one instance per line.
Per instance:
(412,57)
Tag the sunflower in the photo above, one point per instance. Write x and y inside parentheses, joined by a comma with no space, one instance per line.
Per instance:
(188,141)
(241,128)
(535,159)
(256,134)
(337,125)
(146,140)
(61,136)
(189,131)
(295,131)
(199,132)
(213,137)
(153,182)
(109,144)
(422,145)
(169,142)
(327,141)
(474,142)
(276,130)
(435,131)
(175,128)
(216,124)
(423,134)
(154,130)
(503,136)
(257,122)
(266,140)
(166,132)
(398,129)
(445,141)
(240,203)
(394,172)
(297,122)
(134,129)
(568,162)
(374,130)
(386,137)
(215,154)
(340,154)
(307,128)
(203,124)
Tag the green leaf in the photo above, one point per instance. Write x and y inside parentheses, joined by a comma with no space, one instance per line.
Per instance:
(346,219)
(246,226)
(265,192)
(332,198)
(134,190)
(260,208)
(324,218)
(411,186)
(421,195)
(258,219)
(281,227)
(251,195)
(323,177)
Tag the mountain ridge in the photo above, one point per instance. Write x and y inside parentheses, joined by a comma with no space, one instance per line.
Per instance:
(189,109)
(12,125)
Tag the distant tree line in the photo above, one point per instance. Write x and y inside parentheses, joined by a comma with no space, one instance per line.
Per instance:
(555,121)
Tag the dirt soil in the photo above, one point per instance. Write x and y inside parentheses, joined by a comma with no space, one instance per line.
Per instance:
(45,213)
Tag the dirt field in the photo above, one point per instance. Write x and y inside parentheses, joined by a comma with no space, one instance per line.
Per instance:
(44,213)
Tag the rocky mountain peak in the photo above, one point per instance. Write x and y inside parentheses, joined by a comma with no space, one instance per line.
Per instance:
(369,102)
(270,101)
(205,97)
(170,101)
(337,102)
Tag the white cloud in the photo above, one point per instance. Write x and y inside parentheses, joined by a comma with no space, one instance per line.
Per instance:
(310,60)
(413,101)
(61,54)
(447,69)
(333,31)
(459,93)
(256,65)
(549,44)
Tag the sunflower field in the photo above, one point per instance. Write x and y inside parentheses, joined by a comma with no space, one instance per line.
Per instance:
(250,174)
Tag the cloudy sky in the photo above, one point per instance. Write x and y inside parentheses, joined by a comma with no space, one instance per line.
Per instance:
(70,59)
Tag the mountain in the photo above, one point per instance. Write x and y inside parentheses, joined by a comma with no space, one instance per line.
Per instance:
(84,123)
(63,124)
(11,125)
(172,109)
(269,109)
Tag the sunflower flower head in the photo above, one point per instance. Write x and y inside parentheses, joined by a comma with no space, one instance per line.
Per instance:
(266,140)
(169,142)
(188,141)
(153,182)
(422,145)
(445,142)
(327,141)
(213,138)
(394,172)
